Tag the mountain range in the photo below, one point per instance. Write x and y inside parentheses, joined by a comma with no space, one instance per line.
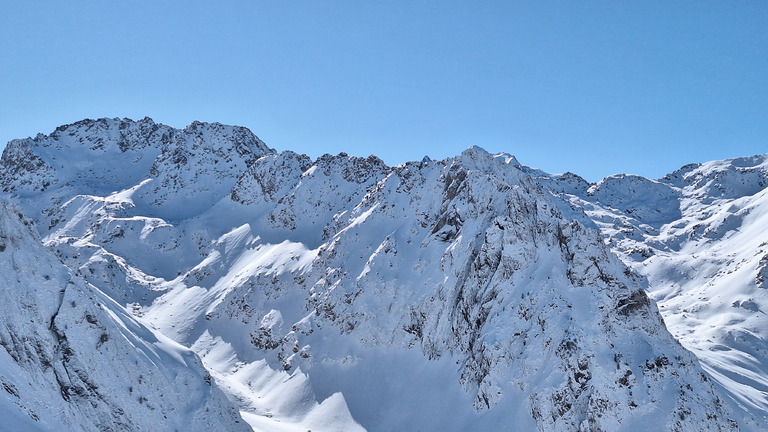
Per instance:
(156,278)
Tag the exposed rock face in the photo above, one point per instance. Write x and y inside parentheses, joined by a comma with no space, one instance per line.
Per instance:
(435,295)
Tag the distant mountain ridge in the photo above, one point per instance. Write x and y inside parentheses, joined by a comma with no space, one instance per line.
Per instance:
(472,292)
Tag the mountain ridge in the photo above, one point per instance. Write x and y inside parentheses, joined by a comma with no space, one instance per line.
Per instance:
(703,252)
(486,253)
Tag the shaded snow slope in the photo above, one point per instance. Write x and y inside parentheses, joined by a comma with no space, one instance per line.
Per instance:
(341,293)
(72,359)
(699,235)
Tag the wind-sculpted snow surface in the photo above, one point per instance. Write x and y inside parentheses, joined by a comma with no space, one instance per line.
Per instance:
(341,294)
(72,359)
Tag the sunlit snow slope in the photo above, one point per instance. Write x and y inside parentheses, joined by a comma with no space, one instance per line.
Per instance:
(341,294)
(72,359)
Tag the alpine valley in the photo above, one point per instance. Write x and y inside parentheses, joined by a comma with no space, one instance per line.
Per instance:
(162,279)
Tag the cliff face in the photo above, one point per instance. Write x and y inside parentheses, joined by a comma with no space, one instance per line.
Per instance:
(465,293)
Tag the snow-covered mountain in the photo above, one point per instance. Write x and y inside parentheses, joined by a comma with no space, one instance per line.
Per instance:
(341,294)
(700,237)
(73,359)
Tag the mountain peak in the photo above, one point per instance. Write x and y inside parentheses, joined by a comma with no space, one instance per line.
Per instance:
(97,157)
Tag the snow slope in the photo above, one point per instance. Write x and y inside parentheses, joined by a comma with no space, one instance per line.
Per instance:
(72,359)
(342,294)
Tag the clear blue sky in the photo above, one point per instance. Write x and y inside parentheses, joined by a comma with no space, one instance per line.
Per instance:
(594,87)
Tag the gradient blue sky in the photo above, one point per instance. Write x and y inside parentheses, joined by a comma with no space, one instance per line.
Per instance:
(592,87)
